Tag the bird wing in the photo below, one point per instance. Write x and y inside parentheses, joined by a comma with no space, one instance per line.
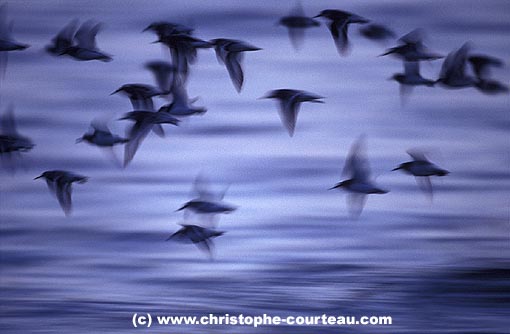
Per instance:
(357,166)
(417,155)
(235,71)
(64,190)
(338,29)
(86,35)
(136,135)
(297,10)
(356,203)
(8,122)
(297,37)
(455,63)
(412,68)
(425,185)
(5,25)
(65,36)
(289,108)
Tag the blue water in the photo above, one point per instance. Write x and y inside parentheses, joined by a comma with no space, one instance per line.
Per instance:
(291,247)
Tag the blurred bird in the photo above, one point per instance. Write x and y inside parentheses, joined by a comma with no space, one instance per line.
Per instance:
(206,203)
(197,235)
(359,183)
(63,40)
(410,78)
(102,137)
(60,184)
(182,46)
(481,65)
(10,140)
(376,32)
(145,121)
(453,71)
(165,75)
(230,53)
(338,26)
(289,101)
(140,95)
(411,48)
(12,144)
(422,169)
(7,42)
(164,29)
(181,105)
(296,23)
(85,48)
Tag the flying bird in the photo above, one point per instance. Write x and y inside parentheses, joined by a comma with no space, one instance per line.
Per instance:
(453,71)
(84,46)
(181,105)
(60,184)
(296,23)
(410,78)
(230,53)
(376,32)
(422,169)
(412,48)
(197,235)
(144,122)
(63,40)
(7,42)
(481,65)
(140,95)
(206,203)
(289,103)
(339,21)
(359,183)
(12,144)
(102,137)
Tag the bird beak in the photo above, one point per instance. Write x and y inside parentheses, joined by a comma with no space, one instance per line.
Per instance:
(78,140)
(118,90)
(316,16)
(396,168)
(35,178)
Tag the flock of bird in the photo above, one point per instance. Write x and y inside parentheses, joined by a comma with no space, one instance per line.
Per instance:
(78,41)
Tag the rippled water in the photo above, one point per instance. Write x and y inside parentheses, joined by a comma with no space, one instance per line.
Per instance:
(290,248)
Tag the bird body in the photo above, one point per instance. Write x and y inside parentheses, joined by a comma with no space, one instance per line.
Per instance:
(289,102)
(230,53)
(339,22)
(207,207)
(60,184)
(10,140)
(197,235)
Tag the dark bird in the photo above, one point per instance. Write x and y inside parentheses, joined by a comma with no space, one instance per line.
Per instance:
(359,183)
(102,137)
(376,32)
(165,75)
(12,144)
(206,203)
(422,169)
(453,71)
(410,78)
(296,23)
(144,122)
(338,26)
(7,43)
(85,48)
(481,65)
(289,102)
(182,46)
(164,29)
(140,95)
(60,184)
(412,48)
(230,53)
(63,40)
(10,140)
(197,235)
(181,105)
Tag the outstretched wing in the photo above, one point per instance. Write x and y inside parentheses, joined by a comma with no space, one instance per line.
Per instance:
(357,166)
(8,122)
(233,64)
(86,35)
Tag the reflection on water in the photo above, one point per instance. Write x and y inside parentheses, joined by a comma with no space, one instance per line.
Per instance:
(291,247)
